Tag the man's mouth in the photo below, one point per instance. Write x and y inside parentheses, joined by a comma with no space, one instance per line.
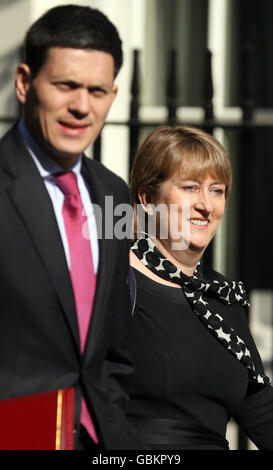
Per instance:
(73,125)
(73,128)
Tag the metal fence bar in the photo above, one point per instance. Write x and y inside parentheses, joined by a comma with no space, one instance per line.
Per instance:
(134,109)
(204,124)
(97,149)
(208,90)
(171,88)
(247,144)
(209,118)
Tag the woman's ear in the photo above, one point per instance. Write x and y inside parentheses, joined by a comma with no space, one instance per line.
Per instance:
(22,82)
(145,202)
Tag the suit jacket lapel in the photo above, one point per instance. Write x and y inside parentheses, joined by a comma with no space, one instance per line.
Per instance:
(98,191)
(31,199)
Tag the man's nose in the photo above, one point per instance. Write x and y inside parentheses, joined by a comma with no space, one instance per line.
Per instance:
(80,104)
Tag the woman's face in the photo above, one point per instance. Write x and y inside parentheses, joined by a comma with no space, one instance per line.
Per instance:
(193,210)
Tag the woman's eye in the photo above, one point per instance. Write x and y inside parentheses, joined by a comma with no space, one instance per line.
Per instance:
(190,188)
(218,191)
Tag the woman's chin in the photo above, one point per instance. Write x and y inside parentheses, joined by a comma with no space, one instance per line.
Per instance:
(197,247)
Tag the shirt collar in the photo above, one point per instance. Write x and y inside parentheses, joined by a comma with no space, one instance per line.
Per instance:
(45,164)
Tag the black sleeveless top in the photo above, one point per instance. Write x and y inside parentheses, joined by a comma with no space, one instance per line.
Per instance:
(186,385)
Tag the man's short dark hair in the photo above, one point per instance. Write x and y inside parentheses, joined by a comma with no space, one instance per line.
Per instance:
(72,26)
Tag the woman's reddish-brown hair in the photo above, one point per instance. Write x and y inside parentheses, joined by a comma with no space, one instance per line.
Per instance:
(183,150)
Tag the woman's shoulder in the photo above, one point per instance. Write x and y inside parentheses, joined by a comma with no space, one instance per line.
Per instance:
(210,274)
(236,315)
(238,308)
(235,288)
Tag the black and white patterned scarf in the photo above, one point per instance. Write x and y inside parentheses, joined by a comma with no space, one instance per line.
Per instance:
(228,292)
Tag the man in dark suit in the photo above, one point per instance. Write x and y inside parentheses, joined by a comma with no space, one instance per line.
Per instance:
(55,333)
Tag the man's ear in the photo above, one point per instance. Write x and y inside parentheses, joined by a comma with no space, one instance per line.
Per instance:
(114,92)
(22,82)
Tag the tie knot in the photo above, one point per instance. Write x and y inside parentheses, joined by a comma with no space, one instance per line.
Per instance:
(67,182)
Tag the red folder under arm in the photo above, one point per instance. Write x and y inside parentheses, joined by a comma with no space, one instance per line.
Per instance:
(44,421)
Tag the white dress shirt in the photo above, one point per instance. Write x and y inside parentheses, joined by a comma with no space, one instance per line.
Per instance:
(47,167)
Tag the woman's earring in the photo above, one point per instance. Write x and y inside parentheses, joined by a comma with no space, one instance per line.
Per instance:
(149,209)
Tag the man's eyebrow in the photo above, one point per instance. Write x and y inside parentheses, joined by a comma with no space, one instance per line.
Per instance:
(100,86)
(65,80)
(72,83)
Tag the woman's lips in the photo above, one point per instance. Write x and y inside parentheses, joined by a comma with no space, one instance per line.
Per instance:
(199,223)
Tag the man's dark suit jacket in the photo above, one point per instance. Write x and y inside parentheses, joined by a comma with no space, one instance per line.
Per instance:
(39,337)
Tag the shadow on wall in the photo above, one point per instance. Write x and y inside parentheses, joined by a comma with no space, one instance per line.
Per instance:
(8,2)
(14,20)
(8,63)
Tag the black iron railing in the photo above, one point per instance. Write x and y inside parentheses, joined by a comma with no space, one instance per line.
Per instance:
(251,273)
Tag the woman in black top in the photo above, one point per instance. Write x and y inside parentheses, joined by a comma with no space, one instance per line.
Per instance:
(196,364)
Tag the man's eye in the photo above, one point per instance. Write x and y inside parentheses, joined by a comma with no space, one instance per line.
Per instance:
(63,86)
(98,92)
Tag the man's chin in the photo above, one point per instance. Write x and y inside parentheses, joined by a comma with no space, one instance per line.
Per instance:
(64,151)
(64,157)
(65,154)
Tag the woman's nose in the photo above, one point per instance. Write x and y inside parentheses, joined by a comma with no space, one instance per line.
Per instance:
(203,202)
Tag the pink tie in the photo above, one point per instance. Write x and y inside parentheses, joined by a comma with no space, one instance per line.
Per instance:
(82,273)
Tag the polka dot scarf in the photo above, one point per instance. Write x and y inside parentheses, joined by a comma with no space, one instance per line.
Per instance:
(194,287)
